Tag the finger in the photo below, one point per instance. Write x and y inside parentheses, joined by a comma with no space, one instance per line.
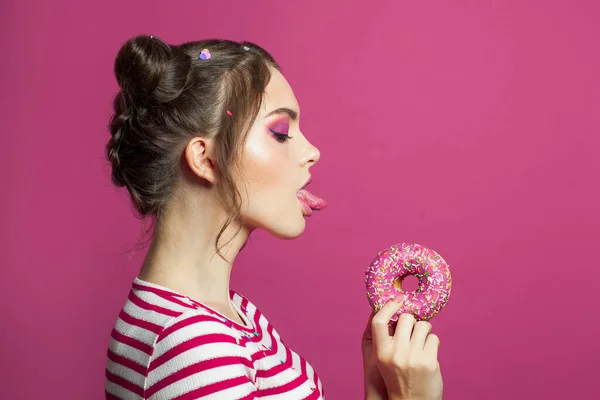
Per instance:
(432,346)
(420,333)
(380,322)
(404,329)
(367,333)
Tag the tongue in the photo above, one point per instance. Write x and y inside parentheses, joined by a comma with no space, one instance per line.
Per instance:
(314,202)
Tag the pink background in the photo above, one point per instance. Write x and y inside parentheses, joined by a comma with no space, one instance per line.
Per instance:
(470,126)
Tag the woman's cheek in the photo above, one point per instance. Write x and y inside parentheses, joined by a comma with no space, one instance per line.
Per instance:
(265,160)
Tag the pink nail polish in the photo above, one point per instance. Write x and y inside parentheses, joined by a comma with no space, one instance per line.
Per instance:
(399,298)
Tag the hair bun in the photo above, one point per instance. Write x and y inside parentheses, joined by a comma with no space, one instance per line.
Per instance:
(148,68)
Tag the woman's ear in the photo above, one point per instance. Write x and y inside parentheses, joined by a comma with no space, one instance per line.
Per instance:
(198,156)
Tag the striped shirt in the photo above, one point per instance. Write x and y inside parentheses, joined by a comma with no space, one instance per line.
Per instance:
(167,346)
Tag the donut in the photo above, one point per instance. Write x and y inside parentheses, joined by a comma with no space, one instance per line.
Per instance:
(385,274)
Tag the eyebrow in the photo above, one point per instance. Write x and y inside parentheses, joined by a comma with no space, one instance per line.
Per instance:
(293,114)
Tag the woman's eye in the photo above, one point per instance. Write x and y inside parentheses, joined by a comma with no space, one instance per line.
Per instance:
(280,137)
(280,129)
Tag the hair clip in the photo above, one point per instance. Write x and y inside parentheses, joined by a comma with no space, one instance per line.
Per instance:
(229,113)
(204,55)
(246,48)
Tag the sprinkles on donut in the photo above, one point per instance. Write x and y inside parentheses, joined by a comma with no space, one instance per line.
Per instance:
(392,265)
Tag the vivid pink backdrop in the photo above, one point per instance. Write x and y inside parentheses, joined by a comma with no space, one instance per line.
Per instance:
(470,126)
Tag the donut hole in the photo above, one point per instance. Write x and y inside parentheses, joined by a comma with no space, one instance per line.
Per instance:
(408,283)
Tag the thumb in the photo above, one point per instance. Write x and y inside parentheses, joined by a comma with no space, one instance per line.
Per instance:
(381,320)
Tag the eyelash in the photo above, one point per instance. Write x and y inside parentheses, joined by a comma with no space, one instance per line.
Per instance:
(280,137)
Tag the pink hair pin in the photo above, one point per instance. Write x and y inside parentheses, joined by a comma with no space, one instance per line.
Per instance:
(204,55)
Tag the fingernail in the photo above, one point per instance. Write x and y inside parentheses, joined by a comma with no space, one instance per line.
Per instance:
(398,298)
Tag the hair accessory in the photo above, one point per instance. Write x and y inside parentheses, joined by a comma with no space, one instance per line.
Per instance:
(151,37)
(204,55)
(246,48)
(229,113)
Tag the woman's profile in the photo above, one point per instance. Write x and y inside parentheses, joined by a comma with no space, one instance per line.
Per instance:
(206,139)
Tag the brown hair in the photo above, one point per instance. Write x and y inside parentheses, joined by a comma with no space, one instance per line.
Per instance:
(167,96)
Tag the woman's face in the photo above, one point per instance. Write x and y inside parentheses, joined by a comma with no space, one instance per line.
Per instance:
(275,165)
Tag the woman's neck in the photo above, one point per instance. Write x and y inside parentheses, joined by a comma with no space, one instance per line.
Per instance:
(183,256)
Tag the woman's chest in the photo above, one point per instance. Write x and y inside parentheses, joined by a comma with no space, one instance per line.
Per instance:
(281,372)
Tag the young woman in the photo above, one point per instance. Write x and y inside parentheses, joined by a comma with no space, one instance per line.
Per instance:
(205,137)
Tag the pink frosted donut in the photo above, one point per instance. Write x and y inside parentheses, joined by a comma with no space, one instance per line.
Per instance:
(392,265)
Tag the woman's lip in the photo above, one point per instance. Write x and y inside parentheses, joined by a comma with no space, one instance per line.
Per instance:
(307,182)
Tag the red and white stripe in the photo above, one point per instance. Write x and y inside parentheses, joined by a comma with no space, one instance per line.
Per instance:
(167,346)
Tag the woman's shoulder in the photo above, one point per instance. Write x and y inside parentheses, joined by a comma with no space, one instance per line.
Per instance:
(196,327)
(173,316)
(162,311)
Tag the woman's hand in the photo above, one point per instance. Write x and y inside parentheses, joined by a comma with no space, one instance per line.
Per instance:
(408,357)
(374,384)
